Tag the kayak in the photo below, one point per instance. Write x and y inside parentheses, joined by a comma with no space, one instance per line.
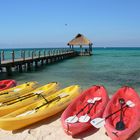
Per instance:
(24,100)
(17,91)
(76,118)
(125,122)
(5,84)
(39,110)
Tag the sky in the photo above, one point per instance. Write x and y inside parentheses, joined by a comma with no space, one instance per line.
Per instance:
(52,23)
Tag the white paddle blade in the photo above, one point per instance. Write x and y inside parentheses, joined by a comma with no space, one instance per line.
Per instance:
(130,103)
(84,118)
(97,98)
(26,113)
(38,92)
(92,101)
(16,89)
(72,119)
(98,122)
(63,95)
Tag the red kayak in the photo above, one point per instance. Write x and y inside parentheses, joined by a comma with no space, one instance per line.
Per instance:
(121,125)
(89,105)
(5,84)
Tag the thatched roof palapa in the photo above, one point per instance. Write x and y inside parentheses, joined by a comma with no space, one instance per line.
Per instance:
(79,40)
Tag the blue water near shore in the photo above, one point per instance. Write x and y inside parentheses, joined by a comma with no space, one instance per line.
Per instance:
(111,67)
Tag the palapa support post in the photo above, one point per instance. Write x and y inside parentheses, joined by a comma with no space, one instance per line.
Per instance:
(34,52)
(29,55)
(48,53)
(44,53)
(23,55)
(13,56)
(32,55)
(3,58)
(0,57)
(39,54)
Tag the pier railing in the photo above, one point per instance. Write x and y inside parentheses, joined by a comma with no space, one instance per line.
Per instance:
(32,58)
(26,54)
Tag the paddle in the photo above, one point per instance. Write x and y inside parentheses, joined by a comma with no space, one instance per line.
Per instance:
(99,122)
(21,98)
(62,95)
(14,90)
(4,93)
(74,119)
(120,125)
(86,118)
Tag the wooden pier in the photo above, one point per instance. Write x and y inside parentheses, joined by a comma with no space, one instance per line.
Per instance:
(33,60)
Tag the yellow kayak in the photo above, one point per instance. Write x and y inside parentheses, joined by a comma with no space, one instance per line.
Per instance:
(40,110)
(17,91)
(24,100)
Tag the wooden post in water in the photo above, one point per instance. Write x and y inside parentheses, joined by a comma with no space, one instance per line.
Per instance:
(28,66)
(42,62)
(9,70)
(36,64)
(39,54)
(20,68)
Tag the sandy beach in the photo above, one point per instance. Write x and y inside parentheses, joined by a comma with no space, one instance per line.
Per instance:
(51,129)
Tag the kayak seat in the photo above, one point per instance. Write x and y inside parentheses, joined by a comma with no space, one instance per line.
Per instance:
(2,85)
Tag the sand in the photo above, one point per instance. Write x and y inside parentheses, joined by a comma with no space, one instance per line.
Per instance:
(51,129)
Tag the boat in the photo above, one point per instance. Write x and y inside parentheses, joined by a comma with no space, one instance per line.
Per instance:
(5,84)
(89,105)
(124,108)
(24,100)
(17,91)
(40,110)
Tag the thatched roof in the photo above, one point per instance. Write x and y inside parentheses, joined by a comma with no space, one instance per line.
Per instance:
(80,40)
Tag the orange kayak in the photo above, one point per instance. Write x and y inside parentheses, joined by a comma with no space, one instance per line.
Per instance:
(89,105)
(5,84)
(122,124)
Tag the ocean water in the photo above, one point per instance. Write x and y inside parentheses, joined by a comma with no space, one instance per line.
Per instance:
(111,67)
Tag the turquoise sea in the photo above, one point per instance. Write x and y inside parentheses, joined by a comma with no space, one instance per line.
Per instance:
(111,67)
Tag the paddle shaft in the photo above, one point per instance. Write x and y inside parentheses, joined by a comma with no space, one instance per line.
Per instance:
(4,93)
(25,97)
(48,102)
(116,112)
(28,95)
(90,108)
(120,125)
(121,113)
(82,110)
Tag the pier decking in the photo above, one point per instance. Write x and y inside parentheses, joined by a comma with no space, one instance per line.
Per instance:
(34,60)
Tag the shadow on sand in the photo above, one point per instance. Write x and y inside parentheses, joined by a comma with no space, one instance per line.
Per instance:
(88,132)
(136,136)
(39,123)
